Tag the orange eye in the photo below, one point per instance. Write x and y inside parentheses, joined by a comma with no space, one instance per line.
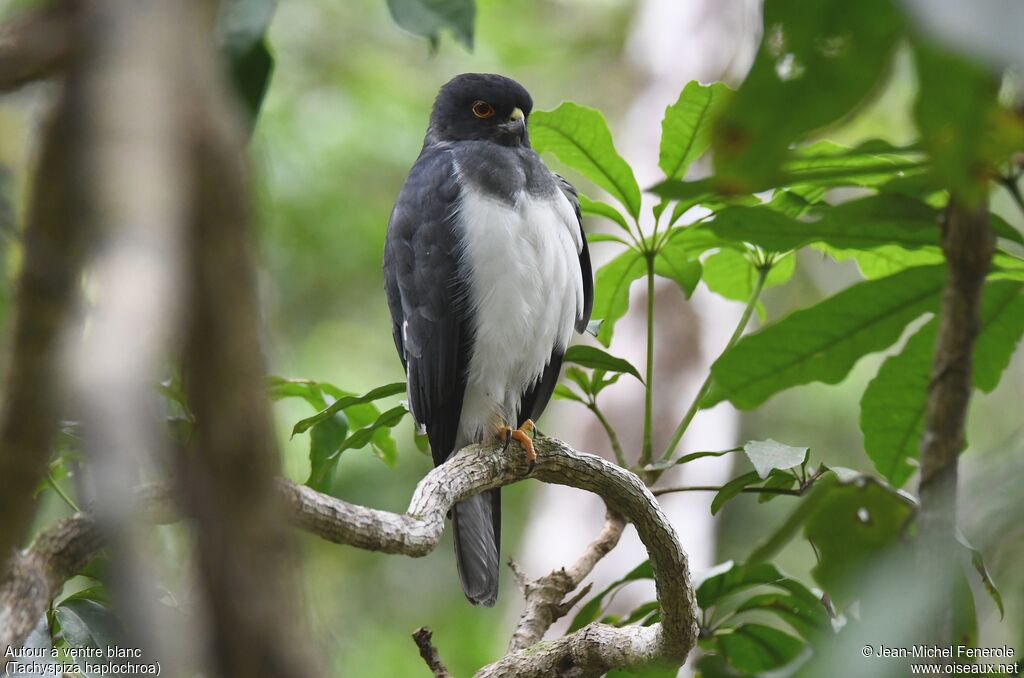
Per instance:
(482,109)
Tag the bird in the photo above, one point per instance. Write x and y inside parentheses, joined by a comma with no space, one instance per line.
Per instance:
(487,274)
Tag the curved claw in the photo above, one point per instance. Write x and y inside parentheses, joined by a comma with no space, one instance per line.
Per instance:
(522,436)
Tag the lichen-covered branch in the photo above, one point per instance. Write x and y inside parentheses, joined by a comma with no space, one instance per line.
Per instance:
(545,596)
(593,650)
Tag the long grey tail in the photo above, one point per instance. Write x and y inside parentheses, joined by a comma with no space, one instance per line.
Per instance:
(476,523)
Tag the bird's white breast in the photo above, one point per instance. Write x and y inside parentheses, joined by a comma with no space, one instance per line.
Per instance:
(526,292)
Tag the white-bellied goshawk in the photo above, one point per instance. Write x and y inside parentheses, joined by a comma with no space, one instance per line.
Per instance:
(487,273)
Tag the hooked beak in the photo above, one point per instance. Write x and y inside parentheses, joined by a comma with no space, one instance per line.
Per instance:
(516,124)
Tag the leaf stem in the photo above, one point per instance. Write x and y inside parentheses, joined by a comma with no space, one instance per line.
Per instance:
(647,451)
(613,437)
(762,275)
(795,492)
(61,493)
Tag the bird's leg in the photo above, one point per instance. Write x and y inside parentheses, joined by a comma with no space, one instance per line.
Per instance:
(522,436)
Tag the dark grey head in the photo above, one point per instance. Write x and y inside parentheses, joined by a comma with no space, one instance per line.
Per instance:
(481,106)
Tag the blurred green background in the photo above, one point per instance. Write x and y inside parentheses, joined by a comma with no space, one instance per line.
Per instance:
(342,123)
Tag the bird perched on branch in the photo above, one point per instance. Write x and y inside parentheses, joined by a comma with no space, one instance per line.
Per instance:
(487,273)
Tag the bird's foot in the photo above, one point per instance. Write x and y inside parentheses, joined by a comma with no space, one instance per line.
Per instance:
(522,436)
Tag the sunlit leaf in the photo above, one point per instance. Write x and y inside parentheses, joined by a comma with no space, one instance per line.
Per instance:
(733,276)
(579,137)
(347,402)
(602,209)
(686,127)
(674,262)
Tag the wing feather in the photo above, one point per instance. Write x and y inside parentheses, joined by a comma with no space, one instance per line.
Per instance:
(426,287)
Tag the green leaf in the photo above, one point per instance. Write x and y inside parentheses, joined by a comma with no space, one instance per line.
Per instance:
(735,577)
(808,618)
(662,465)
(978,561)
(427,18)
(593,238)
(767,455)
(595,358)
(372,433)
(871,164)
(279,388)
(602,209)
(579,137)
(886,260)
(816,62)
(822,343)
(1003,229)
(731,489)
(869,222)
(755,647)
(611,290)
(563,392)
(590,611)
(686,127)
(732,275)
(674,262)
(325,440)
(347,402)
(242,35)
(777,480)
(892,409)
(850,526)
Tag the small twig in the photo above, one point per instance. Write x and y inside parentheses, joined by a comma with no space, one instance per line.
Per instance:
(762,275)
(795,492)
(422,636)
(545,596)
(804,485)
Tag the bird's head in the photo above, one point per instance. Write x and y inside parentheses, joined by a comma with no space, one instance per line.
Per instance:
(481,106)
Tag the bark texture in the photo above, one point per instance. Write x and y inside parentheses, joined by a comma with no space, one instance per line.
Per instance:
(968,243)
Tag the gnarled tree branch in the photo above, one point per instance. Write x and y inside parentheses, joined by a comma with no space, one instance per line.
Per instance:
(545,595)
(591,651)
